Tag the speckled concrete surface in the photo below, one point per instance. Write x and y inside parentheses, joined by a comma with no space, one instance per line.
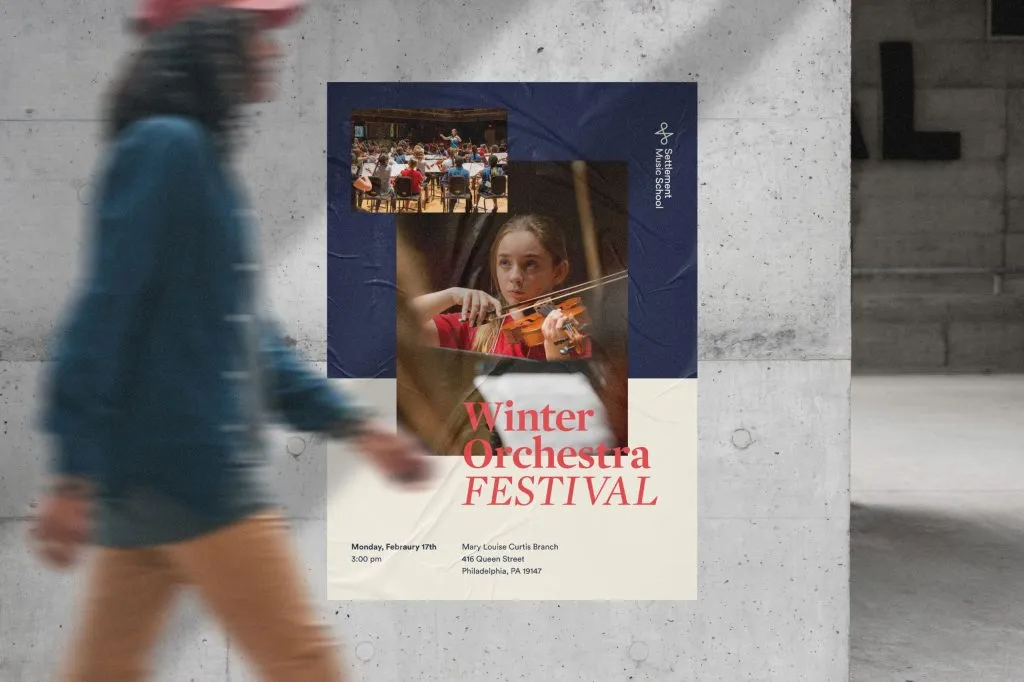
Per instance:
(774,203)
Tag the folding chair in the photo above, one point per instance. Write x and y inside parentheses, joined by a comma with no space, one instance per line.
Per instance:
(403,193)
(458,188)
(499,190)
(375,194)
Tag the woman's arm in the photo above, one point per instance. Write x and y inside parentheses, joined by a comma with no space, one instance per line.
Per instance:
(307,401)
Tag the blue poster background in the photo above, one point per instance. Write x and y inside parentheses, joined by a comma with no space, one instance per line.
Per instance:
(546,122)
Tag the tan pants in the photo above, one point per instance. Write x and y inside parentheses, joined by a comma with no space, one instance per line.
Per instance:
(248,578)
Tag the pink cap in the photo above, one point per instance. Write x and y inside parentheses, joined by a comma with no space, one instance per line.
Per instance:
(153,15)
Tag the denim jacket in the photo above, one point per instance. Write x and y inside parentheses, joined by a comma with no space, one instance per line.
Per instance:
(150,384)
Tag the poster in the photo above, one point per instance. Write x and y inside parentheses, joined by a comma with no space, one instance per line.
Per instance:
(512,276)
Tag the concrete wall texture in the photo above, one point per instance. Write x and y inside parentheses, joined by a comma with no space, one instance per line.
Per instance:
(960,214)
(775,323)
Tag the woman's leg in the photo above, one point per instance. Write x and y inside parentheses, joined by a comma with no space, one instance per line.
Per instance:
(248,576)
(128,596)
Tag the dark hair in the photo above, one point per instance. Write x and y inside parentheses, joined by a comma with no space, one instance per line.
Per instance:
(198,68)
(493,161)
(458,161)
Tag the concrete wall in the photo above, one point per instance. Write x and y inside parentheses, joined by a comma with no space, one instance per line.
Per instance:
(774,126)
(967,213)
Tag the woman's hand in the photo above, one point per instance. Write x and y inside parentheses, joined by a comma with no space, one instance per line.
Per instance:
(476,305)
(398,456)
(64,522)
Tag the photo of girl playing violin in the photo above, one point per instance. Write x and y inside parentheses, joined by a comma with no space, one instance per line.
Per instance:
(528,262)
(539,294)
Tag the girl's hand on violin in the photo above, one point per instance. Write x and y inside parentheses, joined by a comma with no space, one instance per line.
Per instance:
(476,305)
(552,327)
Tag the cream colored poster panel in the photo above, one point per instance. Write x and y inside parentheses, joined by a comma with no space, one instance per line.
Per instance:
(575,522)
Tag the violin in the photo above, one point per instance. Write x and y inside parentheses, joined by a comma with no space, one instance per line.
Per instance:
(524,326)
(523,323)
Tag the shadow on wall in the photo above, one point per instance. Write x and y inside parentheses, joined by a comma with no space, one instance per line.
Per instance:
(973,567)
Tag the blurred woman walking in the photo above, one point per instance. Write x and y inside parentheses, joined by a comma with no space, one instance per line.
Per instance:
(167,364)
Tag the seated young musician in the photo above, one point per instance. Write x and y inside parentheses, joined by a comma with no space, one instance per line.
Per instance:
(413,174)
(420,156)
(382,172)
(456,169)
(448,162)
(487,175)
(528,259)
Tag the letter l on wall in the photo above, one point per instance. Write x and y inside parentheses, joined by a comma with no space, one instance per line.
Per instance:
(899,139)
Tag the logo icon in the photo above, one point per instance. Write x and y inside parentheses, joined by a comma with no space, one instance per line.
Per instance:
(663,131)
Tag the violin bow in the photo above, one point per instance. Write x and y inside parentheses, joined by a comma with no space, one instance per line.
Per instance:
(568,291)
